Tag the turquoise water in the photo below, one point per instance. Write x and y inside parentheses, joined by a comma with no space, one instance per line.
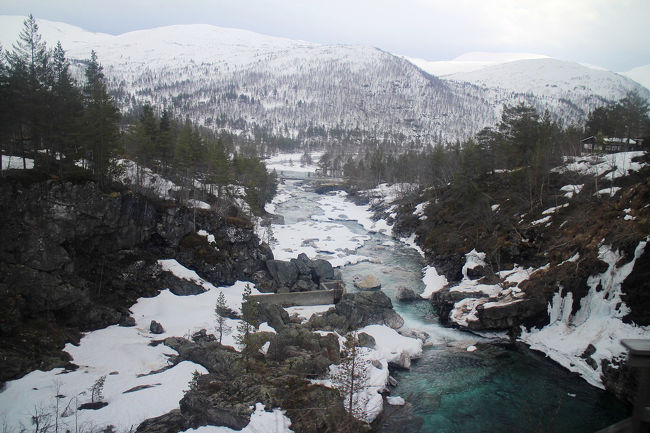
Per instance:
(497,388)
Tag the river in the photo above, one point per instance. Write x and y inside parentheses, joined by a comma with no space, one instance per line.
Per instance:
(496,388)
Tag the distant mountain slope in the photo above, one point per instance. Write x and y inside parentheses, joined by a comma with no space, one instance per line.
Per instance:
(470,62)
(254,85)
(641,75)
(568,90)
(552,78)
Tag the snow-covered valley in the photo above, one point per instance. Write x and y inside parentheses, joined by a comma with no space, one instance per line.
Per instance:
(166,281)
(450,368)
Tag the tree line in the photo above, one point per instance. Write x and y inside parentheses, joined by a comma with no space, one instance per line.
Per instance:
(196,158)
(45,112)
(70,128)
(523,141)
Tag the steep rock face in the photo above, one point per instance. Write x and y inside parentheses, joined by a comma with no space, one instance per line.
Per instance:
(74,258)
(571,267)
(636,291)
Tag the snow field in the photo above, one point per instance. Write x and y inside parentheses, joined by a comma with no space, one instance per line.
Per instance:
(337,208)
(125,356)
(615,165)
(315,238)
(291,162)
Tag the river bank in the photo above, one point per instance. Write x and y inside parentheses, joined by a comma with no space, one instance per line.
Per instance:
(449,388)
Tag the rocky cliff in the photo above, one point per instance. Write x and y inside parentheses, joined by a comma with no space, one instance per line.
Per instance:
(567,273)
(74,258)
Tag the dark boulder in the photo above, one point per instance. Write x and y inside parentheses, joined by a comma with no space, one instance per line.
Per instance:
(405,294)
(204,409)
(285,274)
(171,422)
(322,270)
(156,328)
(202,336)
(274,315)
(477,272)
(356,310)
(178,286)
(304,352)
(95,405)
(366,340)
(210,354)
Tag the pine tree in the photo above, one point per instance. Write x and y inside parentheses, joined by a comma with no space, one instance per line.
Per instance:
(145,134)
(65,111)
(101,119)
(351,376)
(183,150)
(221,311)
(164,146)
(219,165)
(5,117)
(247,327)
(97,389)
(29,68)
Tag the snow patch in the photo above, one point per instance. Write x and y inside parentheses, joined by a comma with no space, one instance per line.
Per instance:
(611,191)
(432,282)
(571,190)
(615,165)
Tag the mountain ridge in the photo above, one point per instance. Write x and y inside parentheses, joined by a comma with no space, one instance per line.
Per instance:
(245,82)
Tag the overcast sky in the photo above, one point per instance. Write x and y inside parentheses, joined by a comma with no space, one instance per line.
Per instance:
(614,34)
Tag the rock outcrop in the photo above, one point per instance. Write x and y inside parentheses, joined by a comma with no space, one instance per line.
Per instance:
(74,257)
(225,395)
(300,274)
(356,310)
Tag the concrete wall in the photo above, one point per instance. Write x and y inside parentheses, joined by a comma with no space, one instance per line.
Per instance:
(316,297)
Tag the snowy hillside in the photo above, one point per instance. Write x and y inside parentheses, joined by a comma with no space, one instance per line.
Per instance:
(641,75)
(553,80)
(250,84)
(470,62)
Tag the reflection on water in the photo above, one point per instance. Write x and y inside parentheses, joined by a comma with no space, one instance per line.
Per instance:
(494,389)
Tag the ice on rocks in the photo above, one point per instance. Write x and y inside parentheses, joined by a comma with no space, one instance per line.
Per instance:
(598,321)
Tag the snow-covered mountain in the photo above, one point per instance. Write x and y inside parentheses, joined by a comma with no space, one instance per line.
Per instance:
(246,83)
(641,75)
(551,78)
(469,62)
